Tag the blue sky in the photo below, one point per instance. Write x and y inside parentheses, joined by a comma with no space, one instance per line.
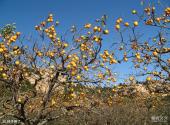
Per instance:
(27,13)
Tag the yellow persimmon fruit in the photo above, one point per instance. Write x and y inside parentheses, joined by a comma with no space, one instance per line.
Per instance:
(117,27)
(86,68)
(155,53)
(87,25)
(1,68)
(18,33)
(17,62)
(65,45)
(1,50)
(99,29)
(72,95)
(126,24)
(95,29)
(73,73)
(106,32)
(148,78)
(68,66)
(113,90)
(4,75)
(125,59)
(78,77)
(135,23)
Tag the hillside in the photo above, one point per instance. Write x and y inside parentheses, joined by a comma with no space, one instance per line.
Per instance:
(128,104)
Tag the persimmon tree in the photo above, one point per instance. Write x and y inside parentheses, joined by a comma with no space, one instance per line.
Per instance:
(54,62)
(149,54)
